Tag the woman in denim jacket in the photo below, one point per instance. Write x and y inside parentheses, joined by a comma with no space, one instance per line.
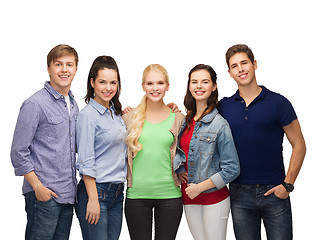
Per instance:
(206,158)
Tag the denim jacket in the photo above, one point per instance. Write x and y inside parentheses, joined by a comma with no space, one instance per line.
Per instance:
(212,153)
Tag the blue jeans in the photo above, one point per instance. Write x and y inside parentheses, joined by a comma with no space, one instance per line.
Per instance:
(47,220)
(110,198)
(249,206)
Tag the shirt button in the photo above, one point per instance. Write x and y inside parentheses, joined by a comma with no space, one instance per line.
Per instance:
(200,125)
(192,149)
(246,109)
(245,118)
(191,175)
(195,136)
(191,163)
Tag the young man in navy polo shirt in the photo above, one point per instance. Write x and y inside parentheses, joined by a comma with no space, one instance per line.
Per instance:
(259,118)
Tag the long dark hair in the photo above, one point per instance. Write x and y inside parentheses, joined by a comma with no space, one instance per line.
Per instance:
(99,63)
(189,101)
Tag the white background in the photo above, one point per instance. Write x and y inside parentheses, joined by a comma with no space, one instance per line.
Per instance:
(177,35)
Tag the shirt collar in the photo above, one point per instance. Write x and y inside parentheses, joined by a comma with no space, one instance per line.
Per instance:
(55,93)
(101,109)
(210,116)
(263,94)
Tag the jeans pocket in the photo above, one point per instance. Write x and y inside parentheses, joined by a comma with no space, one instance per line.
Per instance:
(234,191)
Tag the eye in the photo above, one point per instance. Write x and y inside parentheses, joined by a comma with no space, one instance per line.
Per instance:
(114,82)
(149,83)
(161,82)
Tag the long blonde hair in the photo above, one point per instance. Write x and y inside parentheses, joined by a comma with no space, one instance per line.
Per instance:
(139,113)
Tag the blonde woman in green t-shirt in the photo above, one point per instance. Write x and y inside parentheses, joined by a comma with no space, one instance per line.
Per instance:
(152,184)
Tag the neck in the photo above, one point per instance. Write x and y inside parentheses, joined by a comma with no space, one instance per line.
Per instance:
(249,92)
(201,106)
(155,106)
(61,90)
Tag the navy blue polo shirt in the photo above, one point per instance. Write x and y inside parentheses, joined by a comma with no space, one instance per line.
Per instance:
(258,134)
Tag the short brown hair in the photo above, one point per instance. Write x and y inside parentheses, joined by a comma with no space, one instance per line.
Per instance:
(61,50)
(238,48)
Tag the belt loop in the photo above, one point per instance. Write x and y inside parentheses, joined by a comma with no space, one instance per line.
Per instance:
(109,186)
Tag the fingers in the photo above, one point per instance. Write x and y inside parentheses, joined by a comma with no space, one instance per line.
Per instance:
(92,212)
(54,194)
(127,110)
(92,218)
(269,192)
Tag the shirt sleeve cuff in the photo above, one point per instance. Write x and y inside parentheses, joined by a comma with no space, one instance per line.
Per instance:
(218,181)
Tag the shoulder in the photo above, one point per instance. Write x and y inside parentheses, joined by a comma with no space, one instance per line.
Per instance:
(87,113)
(36,100)
(178,120)
(277,98)
(225,103)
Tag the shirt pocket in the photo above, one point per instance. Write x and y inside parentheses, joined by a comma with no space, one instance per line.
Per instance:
(55,127)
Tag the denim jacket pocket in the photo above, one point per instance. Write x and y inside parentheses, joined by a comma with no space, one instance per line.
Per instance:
(207,143)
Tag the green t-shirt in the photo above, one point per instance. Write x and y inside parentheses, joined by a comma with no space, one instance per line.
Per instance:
(151,170)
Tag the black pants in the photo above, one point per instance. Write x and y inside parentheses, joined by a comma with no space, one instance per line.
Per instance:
(167,214)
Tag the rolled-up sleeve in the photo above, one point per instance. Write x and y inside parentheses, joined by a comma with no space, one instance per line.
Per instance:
(229,161)
(85,138)
(25,130)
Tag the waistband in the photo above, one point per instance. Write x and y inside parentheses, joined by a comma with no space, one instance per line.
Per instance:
(253,186)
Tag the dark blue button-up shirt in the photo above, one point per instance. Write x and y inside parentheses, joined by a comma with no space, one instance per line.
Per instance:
(44,142)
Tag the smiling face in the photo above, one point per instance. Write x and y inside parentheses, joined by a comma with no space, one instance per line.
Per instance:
(201,85)
(105,86)
(62,71)
(242,70)
(155,86)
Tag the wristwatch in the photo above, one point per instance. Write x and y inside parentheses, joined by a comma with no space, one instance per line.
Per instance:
(289,187)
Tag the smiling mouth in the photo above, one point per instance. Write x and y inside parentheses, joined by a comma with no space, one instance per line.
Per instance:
(199,93)
(243,76)
(107,94)
(64,77)
(156,94)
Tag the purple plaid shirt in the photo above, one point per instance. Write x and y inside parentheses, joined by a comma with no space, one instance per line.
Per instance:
(44,142)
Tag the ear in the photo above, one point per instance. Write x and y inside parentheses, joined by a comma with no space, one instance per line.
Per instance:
(143,87)
(168,87)
(48,70)
(255,64)
(214,87)
(230,73)
(92,83)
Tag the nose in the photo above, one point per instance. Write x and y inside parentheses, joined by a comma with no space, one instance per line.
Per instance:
(64,68)
(108,86)
(155,86)
(240,68)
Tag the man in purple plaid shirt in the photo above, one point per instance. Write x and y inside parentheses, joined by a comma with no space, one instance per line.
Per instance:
(43,150)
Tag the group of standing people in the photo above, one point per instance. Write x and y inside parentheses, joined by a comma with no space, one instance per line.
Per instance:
(156,149)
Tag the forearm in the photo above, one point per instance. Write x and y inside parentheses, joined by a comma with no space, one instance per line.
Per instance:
(90,185)
(33,179)
(205,185)
(296,161)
